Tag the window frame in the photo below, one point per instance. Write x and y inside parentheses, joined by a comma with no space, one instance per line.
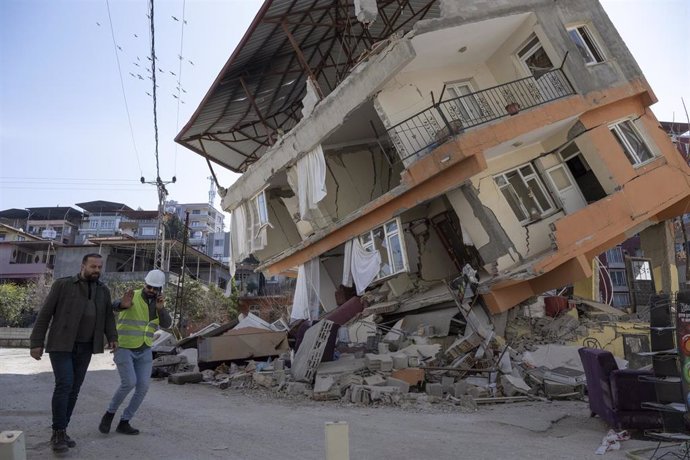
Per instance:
(388,238)
(594,52)
(543,213)
(617,276)
(258,200)
(620,294)
(630,153)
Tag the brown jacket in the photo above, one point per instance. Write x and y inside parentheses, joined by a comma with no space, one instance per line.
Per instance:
(62,311)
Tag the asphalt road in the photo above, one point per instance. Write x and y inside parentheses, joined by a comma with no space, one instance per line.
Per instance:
(201,422)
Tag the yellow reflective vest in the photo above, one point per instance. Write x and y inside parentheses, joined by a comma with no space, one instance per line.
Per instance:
(133,326)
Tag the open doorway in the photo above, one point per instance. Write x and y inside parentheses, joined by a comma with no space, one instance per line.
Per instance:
(586,180)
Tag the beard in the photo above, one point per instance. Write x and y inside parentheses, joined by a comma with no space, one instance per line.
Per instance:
(149,295)
(91,276)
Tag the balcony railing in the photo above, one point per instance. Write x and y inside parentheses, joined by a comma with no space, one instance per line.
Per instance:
(431,127)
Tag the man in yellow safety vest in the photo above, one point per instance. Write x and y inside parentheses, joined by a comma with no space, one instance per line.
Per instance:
(140,314)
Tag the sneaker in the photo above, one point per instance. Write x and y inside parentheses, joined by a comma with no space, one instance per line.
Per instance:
(58,442)
(125,428)
(70,442)
(106,421)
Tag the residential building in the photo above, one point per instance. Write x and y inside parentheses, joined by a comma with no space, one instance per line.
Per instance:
(206,225)
(24,257)
(58,223)
(515,137)
(102,219)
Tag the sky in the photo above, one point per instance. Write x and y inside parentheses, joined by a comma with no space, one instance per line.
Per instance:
(68,135)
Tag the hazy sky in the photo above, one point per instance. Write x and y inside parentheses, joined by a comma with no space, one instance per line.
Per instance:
(64,132)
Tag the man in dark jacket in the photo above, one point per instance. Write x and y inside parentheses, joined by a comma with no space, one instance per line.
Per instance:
(78,310)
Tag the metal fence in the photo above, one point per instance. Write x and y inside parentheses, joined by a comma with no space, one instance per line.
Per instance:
(432,126)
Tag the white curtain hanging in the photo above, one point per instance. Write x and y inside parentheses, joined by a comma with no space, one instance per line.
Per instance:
(311,180)
(360,265)
(306,303)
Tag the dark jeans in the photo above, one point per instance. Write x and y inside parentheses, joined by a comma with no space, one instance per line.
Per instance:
(69,369)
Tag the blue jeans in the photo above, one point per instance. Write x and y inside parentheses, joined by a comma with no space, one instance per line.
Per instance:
(134,368)
(69,369)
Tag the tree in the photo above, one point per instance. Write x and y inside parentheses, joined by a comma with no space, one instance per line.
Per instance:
(174,227)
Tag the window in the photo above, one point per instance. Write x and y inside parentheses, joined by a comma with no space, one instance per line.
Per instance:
(641,270)
(632,142)
(3,236)
(262,210)
(388,240)
(614,256)
(525,193)
(465,106)
(586,45)
(621,299)
(618,278)
(148,231)
(218,243)
(196,211)
(93,224)
(195,223)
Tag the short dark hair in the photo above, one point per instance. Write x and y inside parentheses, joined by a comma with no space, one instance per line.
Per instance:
(87,256)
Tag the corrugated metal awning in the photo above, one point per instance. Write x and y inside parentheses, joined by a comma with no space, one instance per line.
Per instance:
(258,93)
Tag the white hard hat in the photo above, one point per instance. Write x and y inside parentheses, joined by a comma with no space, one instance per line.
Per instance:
(155,278)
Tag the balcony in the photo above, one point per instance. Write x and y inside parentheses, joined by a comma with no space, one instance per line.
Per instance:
(431,127)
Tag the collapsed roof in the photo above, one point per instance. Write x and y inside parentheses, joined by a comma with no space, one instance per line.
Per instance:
(258,94)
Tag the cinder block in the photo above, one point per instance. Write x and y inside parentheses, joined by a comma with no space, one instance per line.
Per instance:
(447,383)
(185,377)
(386,363)
(374,380)
(401,384)
(400,361)
(460,389)
(434,389)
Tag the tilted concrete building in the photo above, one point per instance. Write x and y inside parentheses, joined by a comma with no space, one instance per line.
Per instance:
(512,136)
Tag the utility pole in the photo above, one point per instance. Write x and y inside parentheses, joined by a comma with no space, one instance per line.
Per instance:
(159,255)
(180,282)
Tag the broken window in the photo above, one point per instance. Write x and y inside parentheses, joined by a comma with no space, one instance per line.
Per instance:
(525,193)
(261,208)
(632,142)
(388,241)
(586,45)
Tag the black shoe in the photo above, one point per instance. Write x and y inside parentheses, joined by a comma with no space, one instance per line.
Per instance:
(125,428)
(58,442)
(70,442)
(106,421)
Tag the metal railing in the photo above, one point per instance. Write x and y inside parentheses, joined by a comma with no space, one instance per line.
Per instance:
(431,127)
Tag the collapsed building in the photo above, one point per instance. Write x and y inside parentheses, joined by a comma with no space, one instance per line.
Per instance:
(437,162)
(514,138)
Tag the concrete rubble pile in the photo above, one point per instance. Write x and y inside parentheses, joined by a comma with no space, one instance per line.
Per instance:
(436,344)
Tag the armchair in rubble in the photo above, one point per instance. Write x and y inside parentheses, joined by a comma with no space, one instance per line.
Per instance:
(616,395)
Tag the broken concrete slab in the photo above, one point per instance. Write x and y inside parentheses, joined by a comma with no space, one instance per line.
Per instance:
(381,308)
(447,383)
(342,365)
(241,344)
(423,352)
(375,380)
(185,377)
(297,388)
(400,361)
(308,356)
(513,386)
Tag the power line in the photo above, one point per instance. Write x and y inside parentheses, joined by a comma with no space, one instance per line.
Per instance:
(179,81)
(153,79)
(122,85)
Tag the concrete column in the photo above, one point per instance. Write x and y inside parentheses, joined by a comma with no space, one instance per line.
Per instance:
(588,288)
(658,244)
(337,441)
(12,445)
